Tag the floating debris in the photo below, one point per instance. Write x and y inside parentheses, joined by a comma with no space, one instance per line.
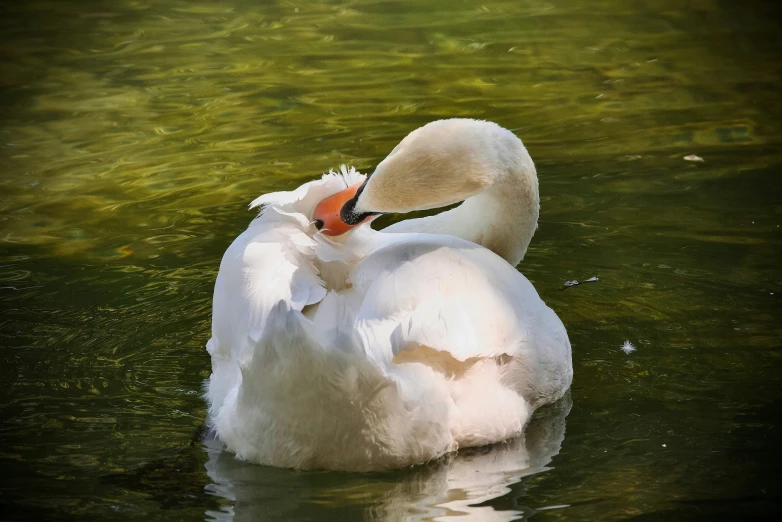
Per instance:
(628,347)
(693,157)
(576,283)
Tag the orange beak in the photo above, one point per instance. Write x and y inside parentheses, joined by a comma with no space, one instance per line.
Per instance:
(327,212)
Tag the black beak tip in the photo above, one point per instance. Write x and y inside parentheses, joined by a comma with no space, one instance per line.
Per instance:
(318,224)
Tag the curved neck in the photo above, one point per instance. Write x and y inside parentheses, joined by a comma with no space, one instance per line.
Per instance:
(502,218)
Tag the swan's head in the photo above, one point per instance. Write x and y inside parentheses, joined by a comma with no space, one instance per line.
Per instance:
(441,163)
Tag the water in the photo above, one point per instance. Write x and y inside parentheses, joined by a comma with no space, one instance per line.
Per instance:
(134,133)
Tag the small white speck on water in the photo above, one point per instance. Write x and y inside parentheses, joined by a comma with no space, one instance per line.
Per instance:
(664,446)
(628,347)
(692,157)
(558,506)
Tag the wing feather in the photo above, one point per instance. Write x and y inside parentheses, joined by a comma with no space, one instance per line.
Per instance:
(447,294)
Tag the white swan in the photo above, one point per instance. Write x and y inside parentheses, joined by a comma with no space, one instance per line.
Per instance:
(375,350)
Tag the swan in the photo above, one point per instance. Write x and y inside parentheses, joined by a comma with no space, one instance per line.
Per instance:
(336,346)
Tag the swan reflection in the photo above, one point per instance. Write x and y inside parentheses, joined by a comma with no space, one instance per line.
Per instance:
(456,486)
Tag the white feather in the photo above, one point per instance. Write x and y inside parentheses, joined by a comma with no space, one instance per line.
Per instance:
(627,347)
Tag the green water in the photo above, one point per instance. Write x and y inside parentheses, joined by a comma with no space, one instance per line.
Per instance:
(134,133)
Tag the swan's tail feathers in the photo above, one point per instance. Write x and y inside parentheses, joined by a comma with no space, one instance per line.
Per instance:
(300,404)
(260,363)
(286,338)
(333,325)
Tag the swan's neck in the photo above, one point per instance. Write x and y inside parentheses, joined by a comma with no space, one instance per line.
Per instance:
(502,218)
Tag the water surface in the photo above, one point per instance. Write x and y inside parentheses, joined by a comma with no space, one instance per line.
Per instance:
(134,134)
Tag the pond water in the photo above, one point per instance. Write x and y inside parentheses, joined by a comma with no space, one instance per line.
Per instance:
(135,133)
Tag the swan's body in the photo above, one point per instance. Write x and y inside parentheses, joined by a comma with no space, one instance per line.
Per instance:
(381,350)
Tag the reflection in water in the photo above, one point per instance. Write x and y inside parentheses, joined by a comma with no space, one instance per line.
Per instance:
(452,487)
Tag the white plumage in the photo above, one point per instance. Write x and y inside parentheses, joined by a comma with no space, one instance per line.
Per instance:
(379,350)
